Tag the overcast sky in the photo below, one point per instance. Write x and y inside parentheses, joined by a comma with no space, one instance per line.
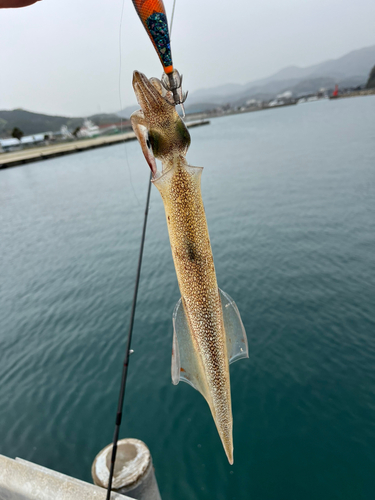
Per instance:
(62,56)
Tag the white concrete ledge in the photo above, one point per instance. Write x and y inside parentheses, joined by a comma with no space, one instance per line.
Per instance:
(22,480)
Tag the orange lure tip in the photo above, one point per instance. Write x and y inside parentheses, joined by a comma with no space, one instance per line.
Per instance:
(154,19)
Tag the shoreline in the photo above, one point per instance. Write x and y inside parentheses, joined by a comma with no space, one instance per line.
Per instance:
(21,157)
(206,115)
(355,93)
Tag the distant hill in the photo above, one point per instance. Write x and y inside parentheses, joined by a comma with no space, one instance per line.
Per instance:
(126,112)
(350,70)
(33,123)
(191,108)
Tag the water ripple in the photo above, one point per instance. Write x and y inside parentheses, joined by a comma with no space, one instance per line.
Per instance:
(291,211)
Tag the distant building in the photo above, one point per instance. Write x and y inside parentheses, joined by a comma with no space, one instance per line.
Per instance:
(253,103)
(288,94)
(89,129)
(65,133)
(13,144)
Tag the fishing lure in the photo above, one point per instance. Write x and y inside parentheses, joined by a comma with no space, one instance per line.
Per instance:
(208,331)
(153,17)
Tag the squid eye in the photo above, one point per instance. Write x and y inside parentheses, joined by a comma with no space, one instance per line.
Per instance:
(148,144)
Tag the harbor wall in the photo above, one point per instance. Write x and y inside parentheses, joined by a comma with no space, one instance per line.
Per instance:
(22,480)
(21,157)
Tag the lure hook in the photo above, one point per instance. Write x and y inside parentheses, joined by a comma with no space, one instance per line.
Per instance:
(172,82)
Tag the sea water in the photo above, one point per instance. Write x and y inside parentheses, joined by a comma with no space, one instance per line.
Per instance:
(290,202)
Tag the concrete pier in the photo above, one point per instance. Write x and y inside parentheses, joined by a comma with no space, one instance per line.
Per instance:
(22,480)
(133,473)
(43,153)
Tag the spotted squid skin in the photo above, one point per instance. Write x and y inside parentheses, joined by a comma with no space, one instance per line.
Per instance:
(193,260)
(163,135)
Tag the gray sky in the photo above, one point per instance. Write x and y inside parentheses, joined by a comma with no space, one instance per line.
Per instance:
(62,57)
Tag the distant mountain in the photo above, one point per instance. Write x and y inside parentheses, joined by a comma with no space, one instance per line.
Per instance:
(126,112)
(222,90)
(296,86)
(191,108)
(33,123)
(351,69)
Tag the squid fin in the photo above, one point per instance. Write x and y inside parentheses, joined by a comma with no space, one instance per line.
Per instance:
(185,363)
(237,346)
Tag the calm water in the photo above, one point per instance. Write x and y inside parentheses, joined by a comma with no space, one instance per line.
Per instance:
(290,203)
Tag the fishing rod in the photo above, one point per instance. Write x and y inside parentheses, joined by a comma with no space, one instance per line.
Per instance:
(128,344)
(158,9)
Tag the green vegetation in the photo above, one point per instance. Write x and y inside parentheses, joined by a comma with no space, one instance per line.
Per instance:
(2,125)
(371,79)
(76,130)
(17,133)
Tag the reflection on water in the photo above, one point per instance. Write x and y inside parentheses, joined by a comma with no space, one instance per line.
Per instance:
(290,203)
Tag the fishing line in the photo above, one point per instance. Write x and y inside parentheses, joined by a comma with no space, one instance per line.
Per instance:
(172,16)
(120,99)
(120,55)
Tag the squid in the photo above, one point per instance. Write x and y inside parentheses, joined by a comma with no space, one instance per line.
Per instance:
(208,333)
